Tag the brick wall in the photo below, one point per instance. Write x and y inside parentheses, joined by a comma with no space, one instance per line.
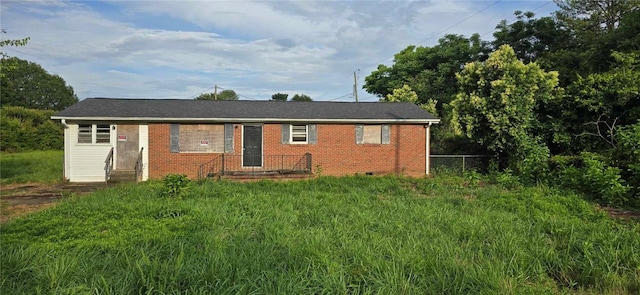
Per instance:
(335,152)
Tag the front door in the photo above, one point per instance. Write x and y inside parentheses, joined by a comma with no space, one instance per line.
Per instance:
(127,147)
(252,146)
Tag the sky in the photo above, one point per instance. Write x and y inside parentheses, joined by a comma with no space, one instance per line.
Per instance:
(180,49)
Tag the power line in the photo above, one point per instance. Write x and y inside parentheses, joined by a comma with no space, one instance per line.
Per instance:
(543,5)
(444,30)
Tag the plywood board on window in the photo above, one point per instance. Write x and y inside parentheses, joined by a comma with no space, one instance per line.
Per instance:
(202,138)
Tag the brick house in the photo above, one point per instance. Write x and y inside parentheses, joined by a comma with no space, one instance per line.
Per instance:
(155,137)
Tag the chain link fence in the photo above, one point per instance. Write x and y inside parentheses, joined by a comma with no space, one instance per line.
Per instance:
(462,163)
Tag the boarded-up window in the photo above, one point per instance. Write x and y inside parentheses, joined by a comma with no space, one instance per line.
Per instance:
(372,134)
(202,138)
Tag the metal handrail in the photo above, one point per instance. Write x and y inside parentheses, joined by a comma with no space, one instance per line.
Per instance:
(108,165)
(269,164)
(139,165)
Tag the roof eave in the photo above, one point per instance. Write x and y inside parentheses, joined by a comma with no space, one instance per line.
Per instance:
(248,120)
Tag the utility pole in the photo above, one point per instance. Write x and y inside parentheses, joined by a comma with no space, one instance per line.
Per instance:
(215,93)
(355,86)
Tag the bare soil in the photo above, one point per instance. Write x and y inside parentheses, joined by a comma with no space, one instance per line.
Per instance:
(20,199)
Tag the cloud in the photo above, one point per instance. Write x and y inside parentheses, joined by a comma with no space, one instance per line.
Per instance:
(180,48)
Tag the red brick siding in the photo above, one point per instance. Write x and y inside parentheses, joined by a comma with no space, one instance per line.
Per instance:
(335,152)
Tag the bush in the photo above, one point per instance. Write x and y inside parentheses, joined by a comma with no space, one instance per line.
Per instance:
(589,175)
(174,184)
(29,129)
(626,156)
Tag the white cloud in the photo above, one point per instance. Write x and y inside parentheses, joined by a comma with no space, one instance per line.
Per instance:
(133,48)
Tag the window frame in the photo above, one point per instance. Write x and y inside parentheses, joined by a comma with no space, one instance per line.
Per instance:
(94,135)
(298,133)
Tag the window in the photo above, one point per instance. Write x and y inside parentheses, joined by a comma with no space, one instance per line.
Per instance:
(85,133)
(298,133)
(103,133)
(372,134)
(92,133)
(201,138)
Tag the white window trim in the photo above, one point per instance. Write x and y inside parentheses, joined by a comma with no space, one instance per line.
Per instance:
(94,132)
(306,134)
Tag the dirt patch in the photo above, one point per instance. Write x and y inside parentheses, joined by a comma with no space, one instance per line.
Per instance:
(622,214)
(20,199)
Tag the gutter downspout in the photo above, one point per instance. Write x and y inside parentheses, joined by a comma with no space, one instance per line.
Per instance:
(65,159)
(427,162)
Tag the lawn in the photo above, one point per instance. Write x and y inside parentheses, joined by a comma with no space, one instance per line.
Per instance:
(382,235)
(27,167)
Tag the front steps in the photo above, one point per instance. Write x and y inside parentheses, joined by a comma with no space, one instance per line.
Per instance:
(121,176)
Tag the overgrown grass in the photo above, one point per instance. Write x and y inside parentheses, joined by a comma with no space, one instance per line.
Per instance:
(36,166)
(383,235)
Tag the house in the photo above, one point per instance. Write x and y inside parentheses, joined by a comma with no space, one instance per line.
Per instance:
(199,138)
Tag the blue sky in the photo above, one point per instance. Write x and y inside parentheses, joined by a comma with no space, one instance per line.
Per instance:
(179,49)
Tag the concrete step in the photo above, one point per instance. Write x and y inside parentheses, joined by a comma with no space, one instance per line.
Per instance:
(122,176)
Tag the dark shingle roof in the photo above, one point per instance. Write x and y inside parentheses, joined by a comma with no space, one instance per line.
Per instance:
(183,109)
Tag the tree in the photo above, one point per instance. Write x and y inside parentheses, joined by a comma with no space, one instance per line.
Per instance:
(496,106)
(30,86)
(9,65)
(404,94)
(531,38)
(301,97)
(280,97)
(603,101)
(226,94)
(429,71)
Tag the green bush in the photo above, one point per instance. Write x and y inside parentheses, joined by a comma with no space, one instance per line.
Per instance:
(29,129)
(174,184)
(589,175)
(626,156)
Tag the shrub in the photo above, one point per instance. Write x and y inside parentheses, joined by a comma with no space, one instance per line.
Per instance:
(626,156)
(29,129)
(174,184)
(589,175)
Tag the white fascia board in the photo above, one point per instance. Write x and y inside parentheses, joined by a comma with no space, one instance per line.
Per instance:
(250,120)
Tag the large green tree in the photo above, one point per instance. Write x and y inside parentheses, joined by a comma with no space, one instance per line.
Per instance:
(28,85)
(496,106)
(601,102)
(9,65)
(226,94)
(429,71)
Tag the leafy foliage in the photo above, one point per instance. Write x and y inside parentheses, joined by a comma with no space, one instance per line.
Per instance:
(589,175)
(403,94)
(28,129)
(29,85)
(496,107)
(226,94)
(626,156)
(301,97)
(280,96)
(174,184)
(9,64)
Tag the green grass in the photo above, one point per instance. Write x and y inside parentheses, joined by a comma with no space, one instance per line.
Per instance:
(352,235)
(27,167)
